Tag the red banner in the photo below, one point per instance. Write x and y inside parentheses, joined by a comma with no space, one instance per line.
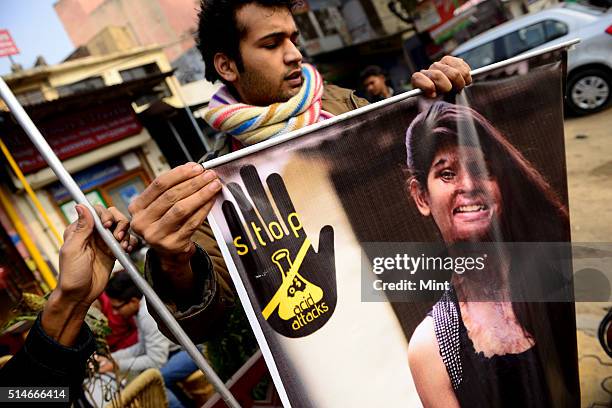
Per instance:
(76,133)
(7,45)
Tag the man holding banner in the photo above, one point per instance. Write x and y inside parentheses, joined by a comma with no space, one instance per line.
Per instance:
(301,218)
(251,46)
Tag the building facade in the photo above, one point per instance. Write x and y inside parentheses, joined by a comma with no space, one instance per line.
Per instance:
(167,22)
(87,109)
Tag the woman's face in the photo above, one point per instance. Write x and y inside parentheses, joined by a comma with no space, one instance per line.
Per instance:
(462,196)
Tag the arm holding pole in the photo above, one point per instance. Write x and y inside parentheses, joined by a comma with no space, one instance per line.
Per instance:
(55,164)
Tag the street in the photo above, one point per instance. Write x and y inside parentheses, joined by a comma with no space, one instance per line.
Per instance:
(589,167)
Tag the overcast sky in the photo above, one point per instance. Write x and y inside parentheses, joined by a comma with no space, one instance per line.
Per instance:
(36,30)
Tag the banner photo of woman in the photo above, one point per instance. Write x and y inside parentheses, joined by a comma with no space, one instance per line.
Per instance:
(416,254)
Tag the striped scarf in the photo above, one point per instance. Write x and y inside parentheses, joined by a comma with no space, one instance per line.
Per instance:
(252,124)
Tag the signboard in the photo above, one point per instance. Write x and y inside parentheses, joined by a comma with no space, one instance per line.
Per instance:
(415,254)
(89,178)
(75,133)
(7,45)
(431,14)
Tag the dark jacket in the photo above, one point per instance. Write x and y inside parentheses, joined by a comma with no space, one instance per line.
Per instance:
(43,362)
(207,313)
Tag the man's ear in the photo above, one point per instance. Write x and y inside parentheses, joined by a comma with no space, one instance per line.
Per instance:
(420,197)
(226,67)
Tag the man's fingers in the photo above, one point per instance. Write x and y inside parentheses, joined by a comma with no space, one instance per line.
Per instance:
(422,82)
(180,241)
(460,65)
(450,72)
(184,209)
(195,221)
(441,82)
(173,220)
(453,74)
(163,183)
(80,230)
(179,192)
(132,242)
(106,217)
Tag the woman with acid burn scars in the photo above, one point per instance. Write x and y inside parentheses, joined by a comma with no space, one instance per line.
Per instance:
(479,346)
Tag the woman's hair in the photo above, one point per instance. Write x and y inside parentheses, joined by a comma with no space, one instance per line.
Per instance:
(531,209)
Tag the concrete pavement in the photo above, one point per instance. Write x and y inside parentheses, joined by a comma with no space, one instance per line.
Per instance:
(589,165)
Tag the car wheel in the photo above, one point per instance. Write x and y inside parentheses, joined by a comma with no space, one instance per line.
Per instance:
(588,91)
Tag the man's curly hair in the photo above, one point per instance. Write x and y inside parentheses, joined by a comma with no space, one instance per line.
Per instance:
(218,30)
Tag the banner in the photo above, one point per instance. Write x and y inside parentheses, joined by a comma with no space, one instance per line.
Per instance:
(74,134)
(416,253)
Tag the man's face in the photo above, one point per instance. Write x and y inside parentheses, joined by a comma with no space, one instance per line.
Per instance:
(462,196)
(375,85)
(271,60)
(125,309)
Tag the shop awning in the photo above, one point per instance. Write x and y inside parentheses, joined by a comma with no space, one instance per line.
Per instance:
(126,90)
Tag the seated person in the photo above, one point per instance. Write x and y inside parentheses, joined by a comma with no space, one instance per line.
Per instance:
(123,330)
(150,351)
(178,368)
(152,348)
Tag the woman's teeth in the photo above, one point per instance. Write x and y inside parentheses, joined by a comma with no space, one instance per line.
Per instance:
(470,208)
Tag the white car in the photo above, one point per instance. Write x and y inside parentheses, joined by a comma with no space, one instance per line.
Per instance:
(589,85)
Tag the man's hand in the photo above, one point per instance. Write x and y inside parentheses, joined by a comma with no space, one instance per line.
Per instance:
(85,264)
(85,260)
(168,213)
(443,76)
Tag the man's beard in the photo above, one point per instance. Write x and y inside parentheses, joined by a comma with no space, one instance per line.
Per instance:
(259,90)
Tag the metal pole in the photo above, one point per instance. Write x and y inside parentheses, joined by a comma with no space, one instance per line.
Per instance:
(179,140)
(197,128)
(56,165)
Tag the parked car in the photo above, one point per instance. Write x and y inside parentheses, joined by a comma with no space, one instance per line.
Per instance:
(589,84)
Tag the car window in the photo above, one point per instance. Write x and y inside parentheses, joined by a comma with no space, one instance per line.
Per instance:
(555,29)
(480,56)
(524,39)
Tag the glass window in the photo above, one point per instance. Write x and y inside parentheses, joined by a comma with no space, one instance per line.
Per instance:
(480,56)
(555,29)
(524,39)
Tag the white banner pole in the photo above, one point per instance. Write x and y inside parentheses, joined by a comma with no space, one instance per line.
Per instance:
(56,165)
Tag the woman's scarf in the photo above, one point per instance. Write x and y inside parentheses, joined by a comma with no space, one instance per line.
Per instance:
(252,124)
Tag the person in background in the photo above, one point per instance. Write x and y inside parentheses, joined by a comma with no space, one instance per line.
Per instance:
(123,331)
(59,344)
(152,348)
(374,82)
(178,368)
(150,351)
